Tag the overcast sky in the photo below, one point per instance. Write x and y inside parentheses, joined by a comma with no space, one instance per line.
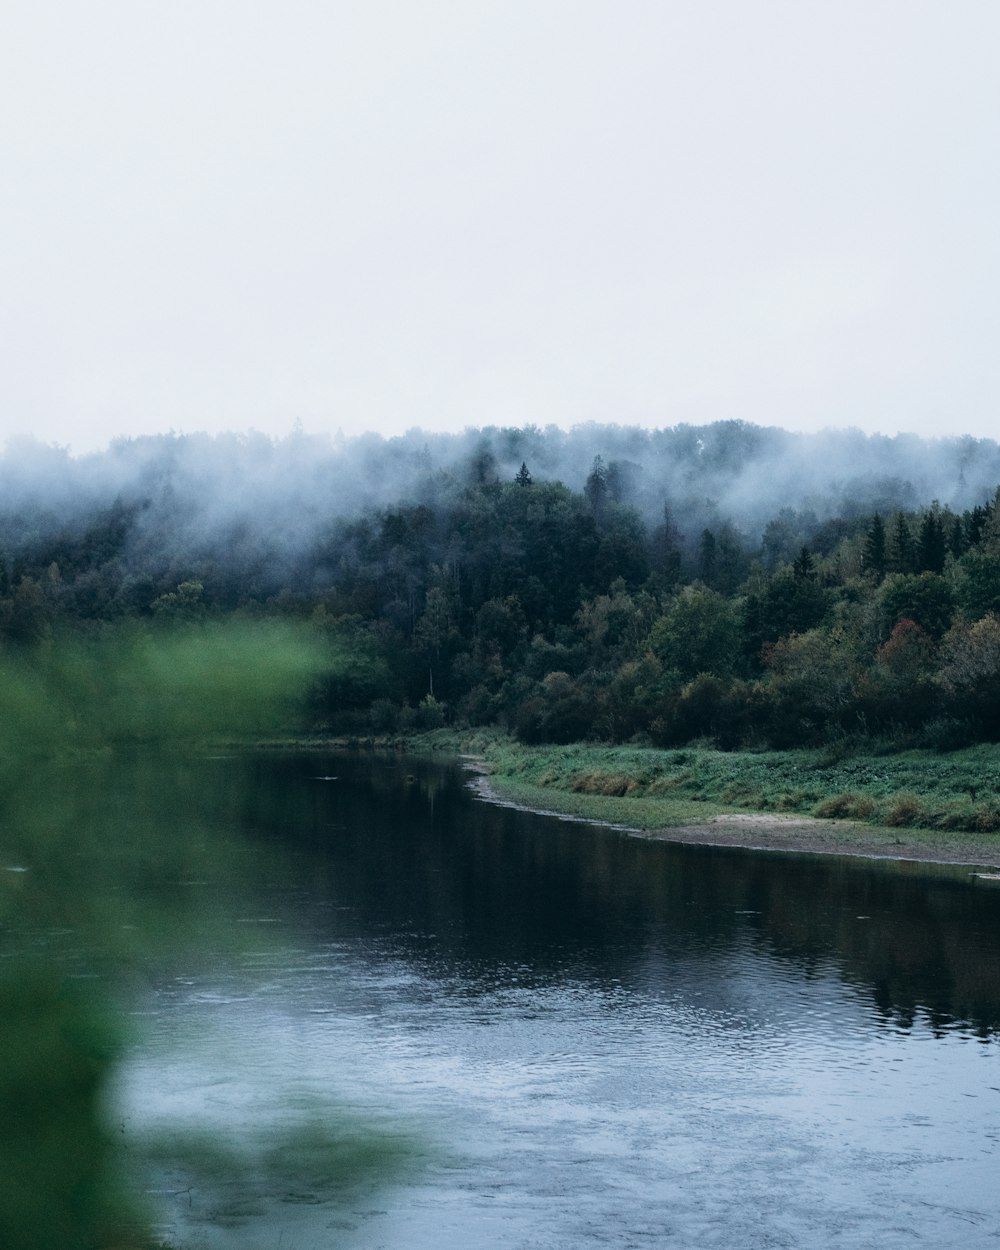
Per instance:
(235,214)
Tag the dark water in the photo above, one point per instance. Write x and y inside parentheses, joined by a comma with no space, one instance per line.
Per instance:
(586,1039)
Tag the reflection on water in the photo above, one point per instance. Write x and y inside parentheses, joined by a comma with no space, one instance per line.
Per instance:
(361,1009)
(115,873)
(574,1038)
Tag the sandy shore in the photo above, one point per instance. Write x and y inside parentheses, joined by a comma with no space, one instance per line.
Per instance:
(768,831)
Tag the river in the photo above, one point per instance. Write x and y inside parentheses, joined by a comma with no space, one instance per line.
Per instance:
(559,1036)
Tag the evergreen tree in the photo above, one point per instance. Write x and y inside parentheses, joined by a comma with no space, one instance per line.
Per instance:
(956,537)
(729,564)
(804,565)
(596,488)
(483,465)
(873,554)
(523,477)
(621,478)
(666,549)
(901,548)
(974,523)
(931,545)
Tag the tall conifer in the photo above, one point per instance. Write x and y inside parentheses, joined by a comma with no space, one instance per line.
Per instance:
(873,555)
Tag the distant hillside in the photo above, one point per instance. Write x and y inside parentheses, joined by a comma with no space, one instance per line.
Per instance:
(183,498)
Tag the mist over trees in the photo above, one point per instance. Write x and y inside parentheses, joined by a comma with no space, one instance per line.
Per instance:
(726,582)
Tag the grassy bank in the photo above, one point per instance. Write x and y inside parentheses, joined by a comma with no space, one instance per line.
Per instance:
(931,805)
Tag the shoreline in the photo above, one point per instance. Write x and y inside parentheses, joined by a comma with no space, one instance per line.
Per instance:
(751,831)
(702,797)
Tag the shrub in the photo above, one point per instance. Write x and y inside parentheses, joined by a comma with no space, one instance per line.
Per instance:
(612,784)
(904,810)
(839,805)
(956,818)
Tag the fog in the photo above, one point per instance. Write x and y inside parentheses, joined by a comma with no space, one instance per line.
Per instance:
(190,498)
(379,215)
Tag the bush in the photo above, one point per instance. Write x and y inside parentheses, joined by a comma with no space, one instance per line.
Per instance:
(905,810)
(840,805)
(430,713)
(613,785)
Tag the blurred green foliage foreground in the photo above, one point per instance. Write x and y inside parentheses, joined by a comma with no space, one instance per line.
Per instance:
(134,685)
(101,807)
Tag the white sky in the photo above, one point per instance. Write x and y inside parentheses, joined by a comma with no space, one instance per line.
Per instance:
(232,214)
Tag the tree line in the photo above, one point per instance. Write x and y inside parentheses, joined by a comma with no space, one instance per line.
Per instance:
(565,615)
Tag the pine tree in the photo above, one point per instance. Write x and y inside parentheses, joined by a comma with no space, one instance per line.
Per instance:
(974,523)
(483,466)
(804,565)
(931,546)
(873,556)
(522,477)
(729,560)
(596,488)
(666,548)
(956,537)
(901,550)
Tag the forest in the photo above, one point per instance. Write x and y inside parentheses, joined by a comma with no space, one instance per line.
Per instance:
(728,585)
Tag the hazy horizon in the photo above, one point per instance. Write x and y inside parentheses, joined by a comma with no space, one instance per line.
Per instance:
(381,217)
(190,493)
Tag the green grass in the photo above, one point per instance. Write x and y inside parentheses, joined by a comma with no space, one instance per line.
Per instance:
(957,793)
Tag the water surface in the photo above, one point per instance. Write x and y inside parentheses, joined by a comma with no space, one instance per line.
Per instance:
(581,1039)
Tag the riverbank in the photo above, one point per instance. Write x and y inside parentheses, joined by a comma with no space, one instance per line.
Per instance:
(916,805)
(755,831)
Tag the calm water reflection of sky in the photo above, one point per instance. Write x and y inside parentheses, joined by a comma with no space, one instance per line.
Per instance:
(699,1085)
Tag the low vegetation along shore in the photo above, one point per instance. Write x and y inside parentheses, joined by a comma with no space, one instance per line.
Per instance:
(914,805)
